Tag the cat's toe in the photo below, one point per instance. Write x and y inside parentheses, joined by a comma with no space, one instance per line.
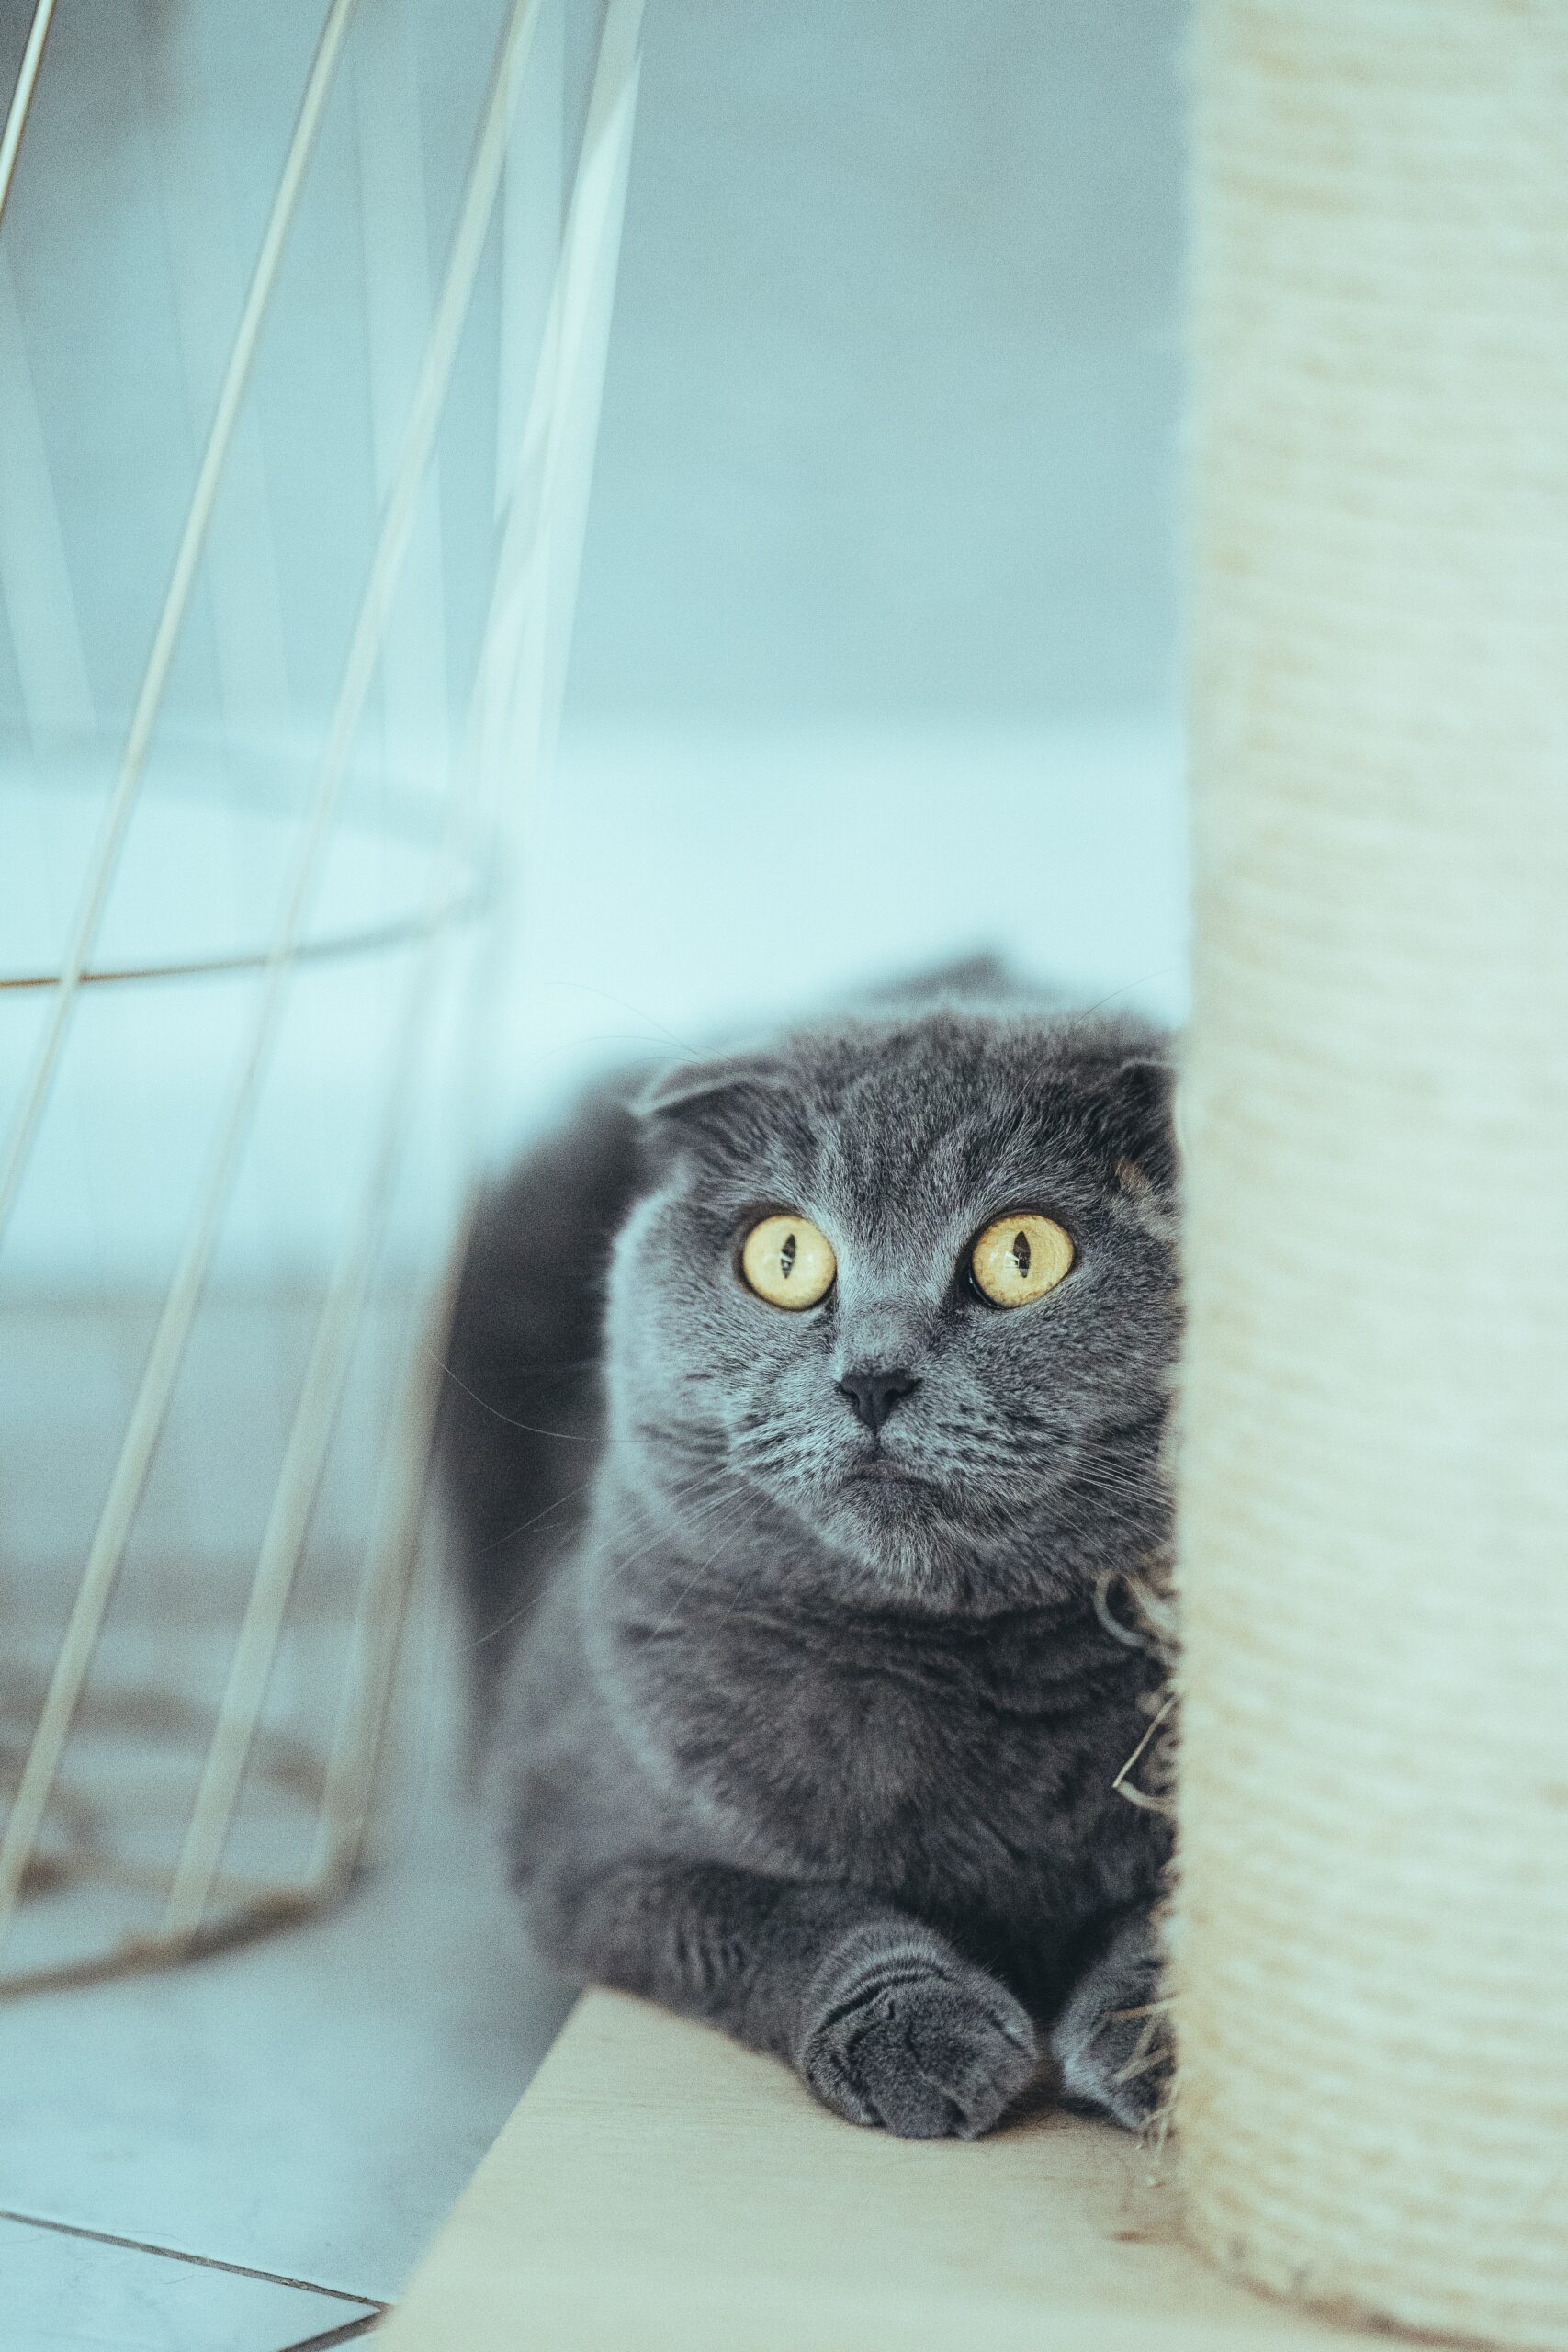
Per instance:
(929,2049)
(1119,2063)
(1112,2041)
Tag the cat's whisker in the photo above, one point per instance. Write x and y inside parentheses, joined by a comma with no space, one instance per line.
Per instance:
(560,1503)
(599,1438)
(694,1507)
(529,1428)
(656,1633)
(504,1624)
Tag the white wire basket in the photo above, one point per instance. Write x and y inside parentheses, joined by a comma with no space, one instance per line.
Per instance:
(302,324)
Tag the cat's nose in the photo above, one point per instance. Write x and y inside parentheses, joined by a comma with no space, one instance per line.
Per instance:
(872,1395)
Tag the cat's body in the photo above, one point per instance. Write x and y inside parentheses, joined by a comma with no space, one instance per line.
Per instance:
(812,1721)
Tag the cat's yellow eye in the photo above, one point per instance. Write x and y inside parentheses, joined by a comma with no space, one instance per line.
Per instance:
(1019,1257)
(789,1262)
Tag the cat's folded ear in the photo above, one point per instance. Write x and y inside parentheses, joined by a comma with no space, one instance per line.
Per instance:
(1134,1112)
(728,1098)
(983,978)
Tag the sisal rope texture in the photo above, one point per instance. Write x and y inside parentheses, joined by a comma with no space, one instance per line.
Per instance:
(1369,1931)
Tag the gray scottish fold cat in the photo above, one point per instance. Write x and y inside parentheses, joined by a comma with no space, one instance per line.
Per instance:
(803,1410)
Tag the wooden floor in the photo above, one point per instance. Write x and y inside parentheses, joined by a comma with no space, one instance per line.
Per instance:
(659,2190)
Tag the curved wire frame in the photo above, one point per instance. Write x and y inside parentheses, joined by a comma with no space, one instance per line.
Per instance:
(506,741)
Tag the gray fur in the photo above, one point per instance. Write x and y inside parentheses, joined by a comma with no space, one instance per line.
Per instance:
(826,1758)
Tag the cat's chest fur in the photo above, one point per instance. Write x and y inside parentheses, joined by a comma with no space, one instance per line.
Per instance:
(949,1762)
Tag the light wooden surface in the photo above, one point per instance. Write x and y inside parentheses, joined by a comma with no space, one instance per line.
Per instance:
(659,2190)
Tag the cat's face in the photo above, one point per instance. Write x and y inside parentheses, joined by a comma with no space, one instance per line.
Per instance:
(982,1429)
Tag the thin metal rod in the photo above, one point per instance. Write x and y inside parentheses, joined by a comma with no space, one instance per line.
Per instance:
(394,212)
(242,576)
(469,897)
(319,1402)
(35,575)
(283,1543)
(22,97)
(532,212)
(516,690)
(393,1553)
(528,570)
(321,1396)
(152,1403)
(160,662)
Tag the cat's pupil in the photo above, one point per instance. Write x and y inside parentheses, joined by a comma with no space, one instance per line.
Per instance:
(786,1256)
(1021,1255)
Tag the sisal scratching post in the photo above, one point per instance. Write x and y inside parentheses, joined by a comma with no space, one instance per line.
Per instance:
(1370,1936)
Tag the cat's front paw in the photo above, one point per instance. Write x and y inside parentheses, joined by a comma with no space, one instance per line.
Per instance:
(902,2033)
(1113,2039)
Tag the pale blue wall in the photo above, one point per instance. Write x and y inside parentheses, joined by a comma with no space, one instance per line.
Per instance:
(882,560)
(892,406)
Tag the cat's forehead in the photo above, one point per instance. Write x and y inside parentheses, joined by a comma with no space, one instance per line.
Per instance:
(936,1118)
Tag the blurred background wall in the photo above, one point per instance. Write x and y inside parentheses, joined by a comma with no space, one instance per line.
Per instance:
(875,647)
(891,409)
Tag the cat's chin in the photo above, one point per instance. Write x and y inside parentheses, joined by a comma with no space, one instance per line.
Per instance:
(899,1540)
(879,1487)
(882,1473)
(884,1515)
